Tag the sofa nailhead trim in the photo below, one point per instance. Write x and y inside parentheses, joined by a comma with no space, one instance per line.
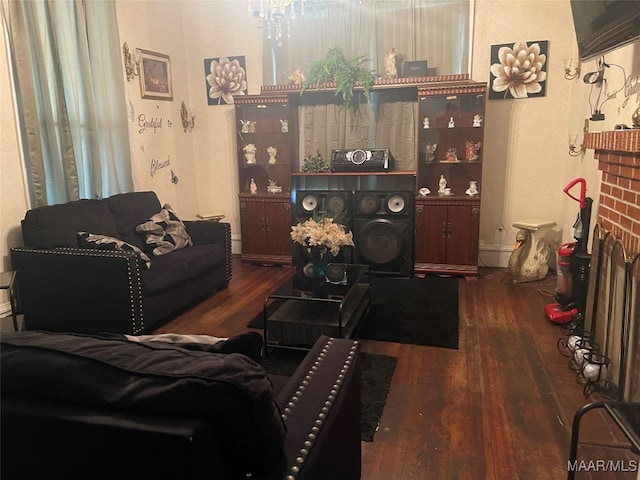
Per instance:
(322,415)
(137,321)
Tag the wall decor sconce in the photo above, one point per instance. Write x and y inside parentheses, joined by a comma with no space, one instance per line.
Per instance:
(131,62)
(571,72)
(188,119)
(574,150)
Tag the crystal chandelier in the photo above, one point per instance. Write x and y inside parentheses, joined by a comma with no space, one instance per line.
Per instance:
(276,13)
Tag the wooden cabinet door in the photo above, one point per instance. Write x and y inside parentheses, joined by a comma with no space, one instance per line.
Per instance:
(462,234)
(253,227)
(277,229)
(430,239)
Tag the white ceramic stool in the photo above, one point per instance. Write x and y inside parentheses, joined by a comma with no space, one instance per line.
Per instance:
(528,261)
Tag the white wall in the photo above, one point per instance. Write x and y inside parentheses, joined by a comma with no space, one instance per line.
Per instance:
(526,154)
(13,201)
(526,160)
(204,158)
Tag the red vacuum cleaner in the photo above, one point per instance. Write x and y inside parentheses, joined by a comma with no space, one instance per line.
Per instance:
(573,265)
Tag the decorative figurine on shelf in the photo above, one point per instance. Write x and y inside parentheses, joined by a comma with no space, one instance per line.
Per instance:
(250,153)
(477,121)
(442,185)
(471,150)
(424,191)
(391,64)
(297,77)
(253,188)
(425,122)
(272,151)
(245,126)
(472,191)
(284,126)
(430,151)
(452,123)
(273,187)
(451,155)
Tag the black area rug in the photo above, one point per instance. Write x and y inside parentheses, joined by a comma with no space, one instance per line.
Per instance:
(377,371)
(418,311)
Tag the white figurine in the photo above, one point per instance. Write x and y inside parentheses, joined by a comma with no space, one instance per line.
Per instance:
(472,191)
(272,151)
(424,191)
(430,151)
(273,187)
(245,125)
(390,64)
(477,121)
(250,153)
(284,126)
(253,187)
(442,184)
(425,122)
(297,77)
(452,124)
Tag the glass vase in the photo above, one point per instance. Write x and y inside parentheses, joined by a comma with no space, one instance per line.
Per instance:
(319,261)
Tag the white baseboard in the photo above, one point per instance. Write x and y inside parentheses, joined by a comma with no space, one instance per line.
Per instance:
(494,255)
(236,244)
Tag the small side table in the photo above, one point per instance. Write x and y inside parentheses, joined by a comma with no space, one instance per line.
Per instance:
(8,282)
(528,262)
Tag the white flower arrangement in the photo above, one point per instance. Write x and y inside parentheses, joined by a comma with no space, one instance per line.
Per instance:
(323,234)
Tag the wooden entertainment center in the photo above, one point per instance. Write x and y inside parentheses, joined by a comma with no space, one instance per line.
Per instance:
(448,123)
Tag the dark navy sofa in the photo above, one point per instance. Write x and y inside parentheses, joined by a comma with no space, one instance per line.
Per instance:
(67,286)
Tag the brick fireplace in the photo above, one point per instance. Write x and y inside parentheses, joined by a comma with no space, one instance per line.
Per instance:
(618,155)
(613,301)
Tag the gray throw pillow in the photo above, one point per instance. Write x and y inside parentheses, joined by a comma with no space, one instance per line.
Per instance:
(105,242)
(164,232)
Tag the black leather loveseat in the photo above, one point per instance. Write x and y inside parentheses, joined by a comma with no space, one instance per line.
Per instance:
(90,407)
(83,267)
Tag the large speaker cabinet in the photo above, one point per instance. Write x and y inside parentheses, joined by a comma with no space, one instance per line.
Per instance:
(383,231)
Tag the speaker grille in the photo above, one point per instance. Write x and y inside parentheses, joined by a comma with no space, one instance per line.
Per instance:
(381,242)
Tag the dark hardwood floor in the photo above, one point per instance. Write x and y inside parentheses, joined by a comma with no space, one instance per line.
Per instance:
(500,407)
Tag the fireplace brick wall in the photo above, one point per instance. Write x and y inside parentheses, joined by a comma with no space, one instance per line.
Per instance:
(618,155)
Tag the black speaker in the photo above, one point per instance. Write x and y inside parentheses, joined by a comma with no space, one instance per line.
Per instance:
(361,160)
(383,231)
(311,203)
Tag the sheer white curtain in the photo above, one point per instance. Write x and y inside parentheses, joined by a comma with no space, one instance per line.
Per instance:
(72,108)
(432,30)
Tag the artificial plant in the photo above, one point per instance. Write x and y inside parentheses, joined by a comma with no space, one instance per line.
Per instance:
(345,73)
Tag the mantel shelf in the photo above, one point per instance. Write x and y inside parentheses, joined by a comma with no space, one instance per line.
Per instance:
(378,84)
(351,174)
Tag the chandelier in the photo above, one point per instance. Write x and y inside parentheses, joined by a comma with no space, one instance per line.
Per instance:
(275,14)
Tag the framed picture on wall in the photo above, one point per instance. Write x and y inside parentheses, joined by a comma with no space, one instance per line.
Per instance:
(518,70)
(225,77)
(155,76)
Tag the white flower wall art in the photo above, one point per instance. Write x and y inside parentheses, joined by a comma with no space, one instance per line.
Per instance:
(225,77)
(518,70)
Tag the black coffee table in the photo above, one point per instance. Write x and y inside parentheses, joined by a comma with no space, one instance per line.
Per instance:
(295,319)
